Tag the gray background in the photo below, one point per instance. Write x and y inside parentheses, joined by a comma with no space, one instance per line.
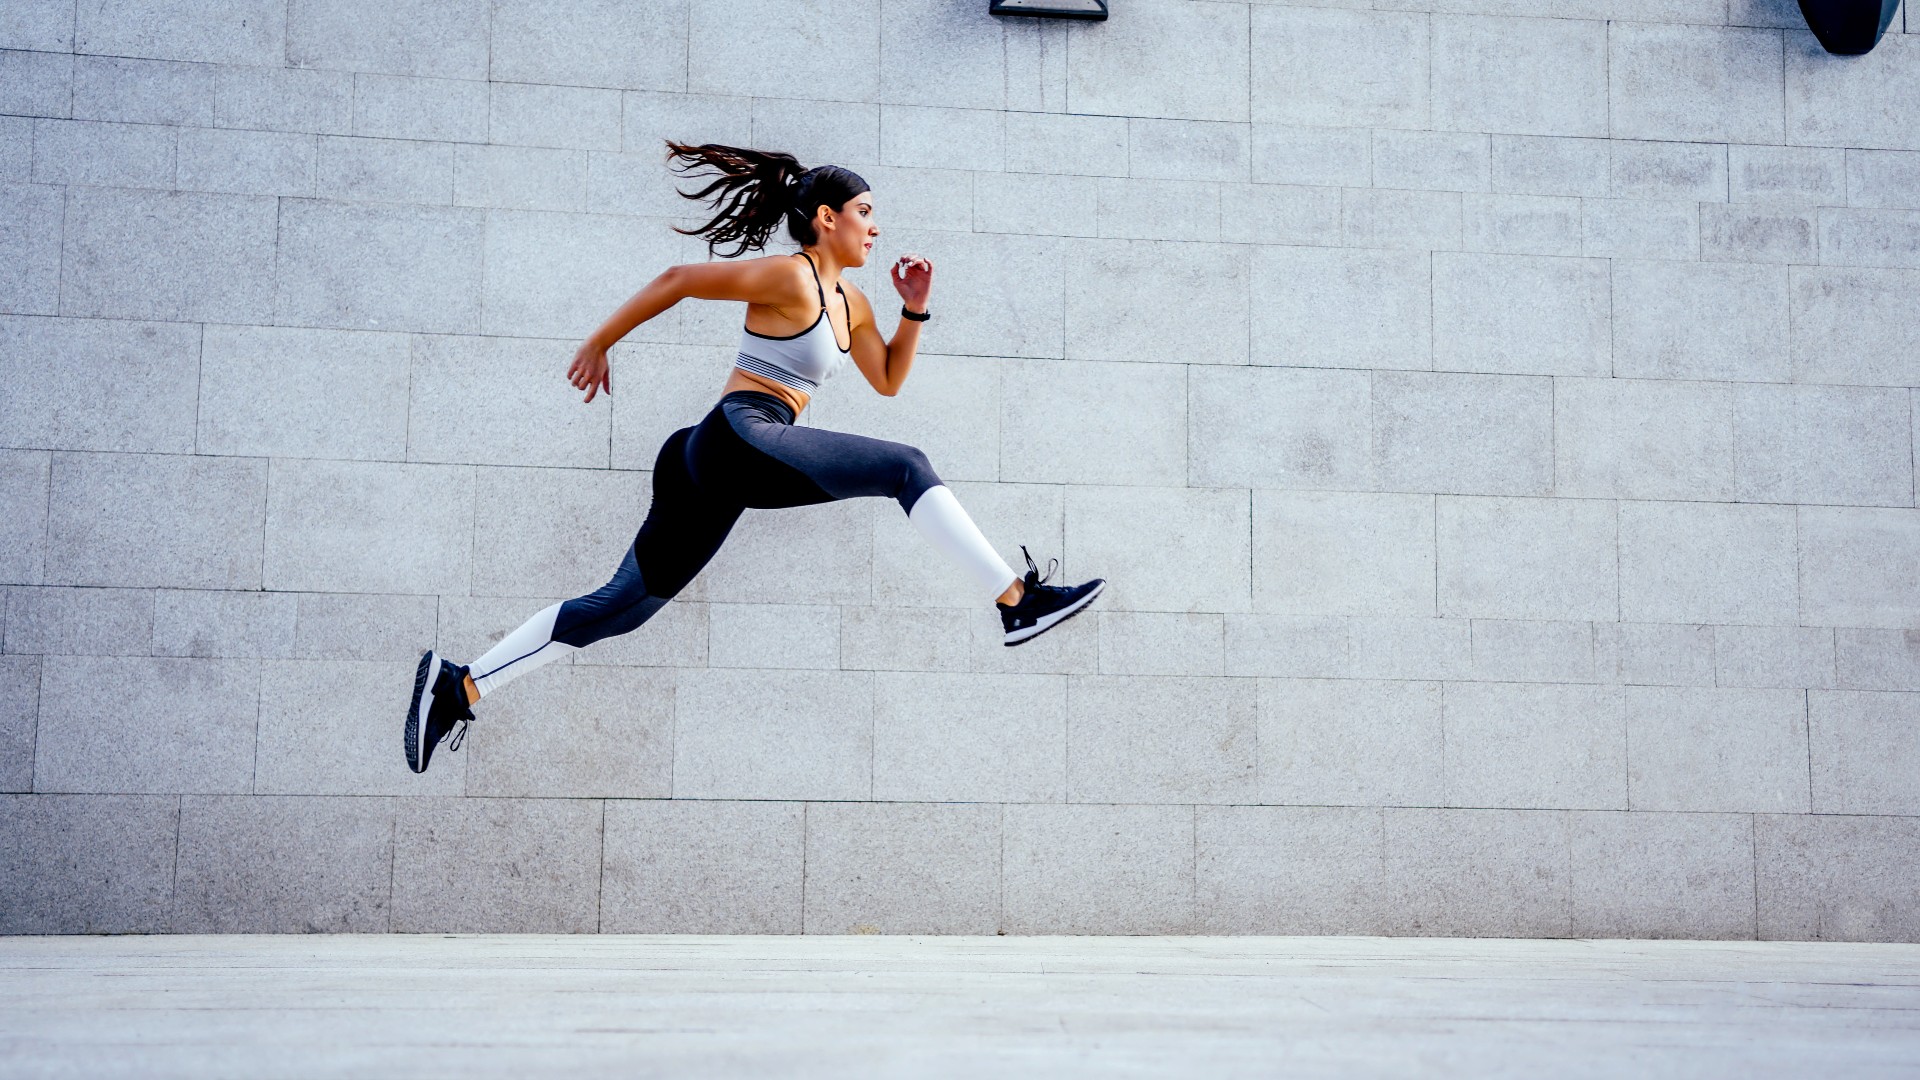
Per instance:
(1497,430)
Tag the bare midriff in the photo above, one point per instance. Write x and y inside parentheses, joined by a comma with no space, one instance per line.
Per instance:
(741,379)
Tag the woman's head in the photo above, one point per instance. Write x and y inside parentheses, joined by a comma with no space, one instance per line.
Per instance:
(825,206)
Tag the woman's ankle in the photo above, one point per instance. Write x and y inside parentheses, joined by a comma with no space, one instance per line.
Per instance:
(1015,590)
(471,689)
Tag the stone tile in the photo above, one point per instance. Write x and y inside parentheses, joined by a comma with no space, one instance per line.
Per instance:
(529,255)
(572,117)
(1717,749)
(1343,553)
(1160,643)
(1854,564)
(1663,654)
(1794,656)
(817,554)
(1435,431)
(1040,142)
(1206,284)
(900,868)
(1864,745)
(142,91)
(1096,868)
(196,735)
(334,727)
(588,43)
(1883,178)
(38,24)
(497,865)
(293,392)
(1835,104)
(1668,170)
(845,132)
(1870,237)
(932,54)
(143,374)
(1823,444)
(87,864)
(1133,433)
(197,524)
(1550,165)
(1853,325)
(1830,878)
(1385,218)
(774,635)
(281,865)
(1787,174)
(1272,427)
(36,83)
(1752,235)
(246,162)
(1662,875)
(923,137)
(1188,149)
(577,732)
(762,734)
(702,867)
(1303,289)
(1875,659)
(1160,739)
(1265,213)
(903,639)
(1657,333)
(1707,562)
(1327,157)
(1346,742)
(521,178)
(500,401)
(1374,74)
(1563,329)
(284,99)
(175,255)
(1533,650)
(1524,558)
(23,529)
(1552,75)
(30,242)
(1142,65)
(1004,294)
(1700,83)
(19,712)
(80,622)
(1290,870)
(362,626)
(223,624)
(407,268)
(107,154)
(948,736)
(1440,160)
(1479,873)
(414,37)
(1533,746)
(1640,229)
(1290,645)
(331,527)
(249,32)
(384,170)
(1125,534)
(1522,224)
(1018,202)
(1643,439)
(1156,209)
(748,49)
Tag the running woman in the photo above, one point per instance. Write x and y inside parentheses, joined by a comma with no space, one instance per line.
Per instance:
(746,452)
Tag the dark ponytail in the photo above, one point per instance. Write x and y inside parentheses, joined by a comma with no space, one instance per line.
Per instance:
(757,189)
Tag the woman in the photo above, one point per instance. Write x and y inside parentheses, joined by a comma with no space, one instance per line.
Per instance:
(746,452)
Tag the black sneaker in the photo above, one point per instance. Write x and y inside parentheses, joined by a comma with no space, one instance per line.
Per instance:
(1041,607)
(439,702)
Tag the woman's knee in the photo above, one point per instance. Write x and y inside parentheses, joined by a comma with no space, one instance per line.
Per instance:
(917,475)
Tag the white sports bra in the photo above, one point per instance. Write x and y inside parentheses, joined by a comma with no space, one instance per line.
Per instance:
(803,360)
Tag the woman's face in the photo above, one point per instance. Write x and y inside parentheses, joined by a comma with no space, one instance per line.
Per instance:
(851,240)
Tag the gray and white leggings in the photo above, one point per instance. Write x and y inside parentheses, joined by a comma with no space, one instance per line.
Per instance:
(746,453)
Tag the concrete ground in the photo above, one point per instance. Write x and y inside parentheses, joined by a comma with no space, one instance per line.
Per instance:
(709,1007)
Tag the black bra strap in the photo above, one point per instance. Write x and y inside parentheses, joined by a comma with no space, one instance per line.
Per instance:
(823,302)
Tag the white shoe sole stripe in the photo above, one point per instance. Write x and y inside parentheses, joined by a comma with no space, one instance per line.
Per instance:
(1046,621)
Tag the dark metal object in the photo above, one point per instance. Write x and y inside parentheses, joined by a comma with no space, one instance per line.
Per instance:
(1056,9)
(1848,27)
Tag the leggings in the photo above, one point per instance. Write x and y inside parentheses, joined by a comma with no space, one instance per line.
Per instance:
(746,453)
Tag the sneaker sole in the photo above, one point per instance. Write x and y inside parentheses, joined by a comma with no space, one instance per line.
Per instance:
(1050,621)
(416,712)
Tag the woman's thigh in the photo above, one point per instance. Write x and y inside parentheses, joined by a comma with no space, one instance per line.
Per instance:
(845,465)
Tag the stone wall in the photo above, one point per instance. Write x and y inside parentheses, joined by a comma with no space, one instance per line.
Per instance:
(1498,432)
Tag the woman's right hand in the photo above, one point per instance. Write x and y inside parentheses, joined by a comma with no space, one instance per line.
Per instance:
(590,370)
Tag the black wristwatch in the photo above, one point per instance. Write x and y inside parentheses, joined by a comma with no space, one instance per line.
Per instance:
(921,316)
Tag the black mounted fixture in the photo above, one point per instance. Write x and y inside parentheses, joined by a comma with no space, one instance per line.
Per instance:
(1055,9)
(1848,27)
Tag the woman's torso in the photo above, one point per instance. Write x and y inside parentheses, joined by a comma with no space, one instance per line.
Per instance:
(791,366)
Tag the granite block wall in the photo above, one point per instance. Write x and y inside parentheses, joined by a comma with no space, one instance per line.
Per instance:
(1497,426)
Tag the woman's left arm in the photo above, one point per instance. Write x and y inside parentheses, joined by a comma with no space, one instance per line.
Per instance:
(884,363)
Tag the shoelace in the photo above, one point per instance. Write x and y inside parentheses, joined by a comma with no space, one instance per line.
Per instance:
(459,733)
(1036,578)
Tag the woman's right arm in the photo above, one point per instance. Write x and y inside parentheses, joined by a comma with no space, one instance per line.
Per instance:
(769,279)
